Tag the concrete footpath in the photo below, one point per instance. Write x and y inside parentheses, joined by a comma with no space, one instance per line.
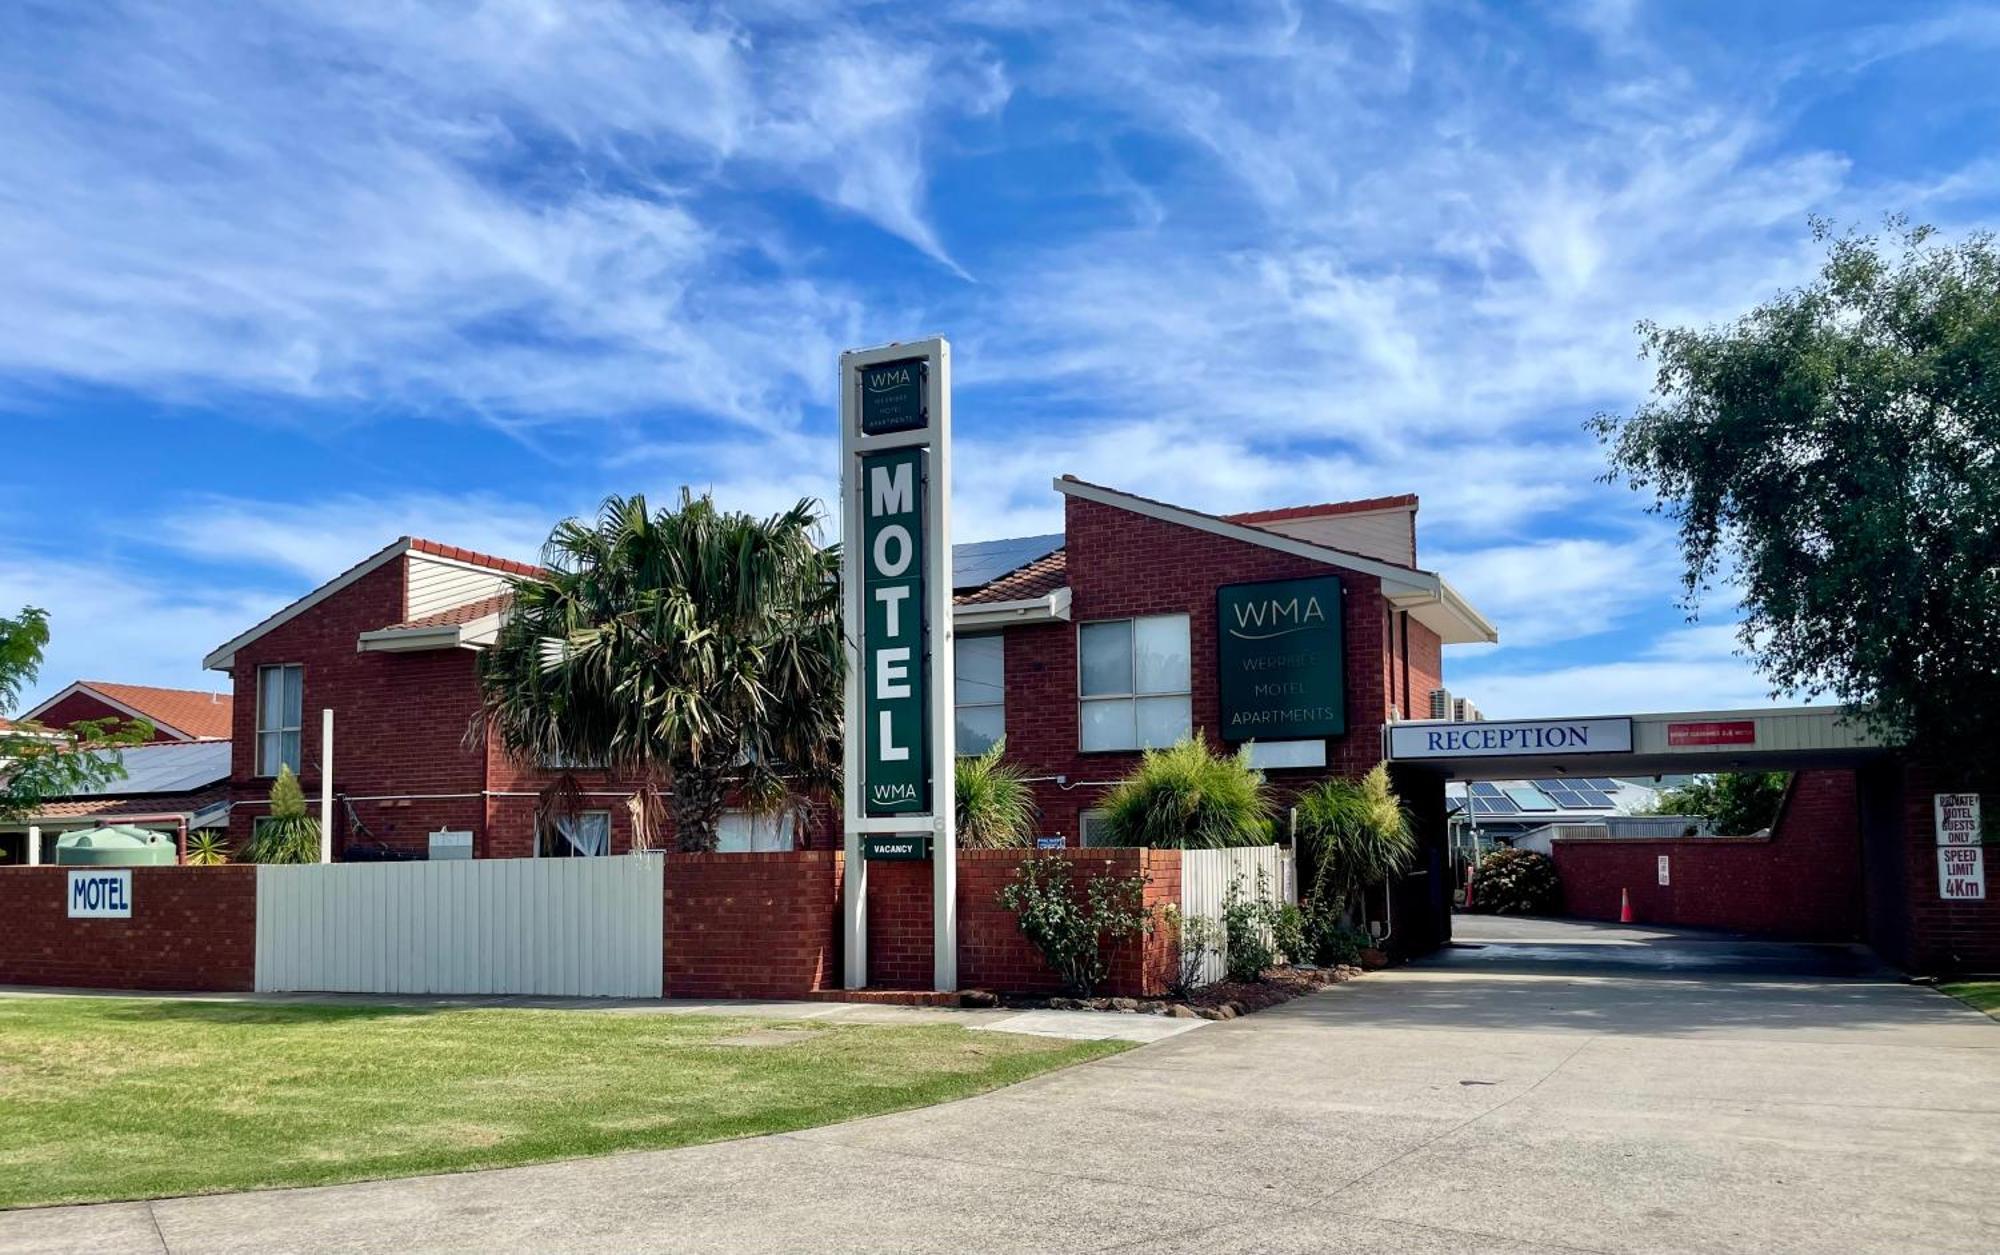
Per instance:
(1544,1098)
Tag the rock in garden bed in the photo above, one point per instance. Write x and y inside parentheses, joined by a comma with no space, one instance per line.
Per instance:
(1224,1000)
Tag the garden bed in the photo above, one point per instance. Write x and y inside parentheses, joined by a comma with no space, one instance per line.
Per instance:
(1224,1000)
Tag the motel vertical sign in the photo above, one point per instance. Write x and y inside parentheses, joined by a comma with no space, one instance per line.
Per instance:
(895,408)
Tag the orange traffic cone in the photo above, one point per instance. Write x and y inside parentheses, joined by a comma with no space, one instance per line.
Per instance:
(1624,906)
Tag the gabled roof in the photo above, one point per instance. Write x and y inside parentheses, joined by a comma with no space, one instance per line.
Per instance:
(1425,594)
(224,655)
(1402,501)
(184,714)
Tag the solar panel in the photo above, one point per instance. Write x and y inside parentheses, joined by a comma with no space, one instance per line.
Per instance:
(1608,786)
(1529,799)
(1484,788)
(165,768)
(1596,800)
(1482,806)
(987,560)
(1494,806)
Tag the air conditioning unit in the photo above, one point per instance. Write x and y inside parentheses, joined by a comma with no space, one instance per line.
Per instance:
(448,844)
(1463,711)
(1441,704)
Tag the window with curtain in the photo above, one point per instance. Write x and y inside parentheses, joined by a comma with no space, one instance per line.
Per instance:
(743,832)
(979,675)
(587,835)
(1132,683)
(280,716)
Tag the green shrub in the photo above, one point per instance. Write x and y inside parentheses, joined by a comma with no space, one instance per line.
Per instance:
(1516,882)
(206,849)
(1288,934)
(1072,932)
(1249,928)
(1186,797)
(1197,937)
(288,834)
(1329,940)
(996,806)
(1353,835)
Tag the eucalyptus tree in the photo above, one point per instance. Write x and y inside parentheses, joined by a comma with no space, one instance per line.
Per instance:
(694,648)
(1835,454)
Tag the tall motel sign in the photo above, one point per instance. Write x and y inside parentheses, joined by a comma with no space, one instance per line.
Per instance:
(895,575)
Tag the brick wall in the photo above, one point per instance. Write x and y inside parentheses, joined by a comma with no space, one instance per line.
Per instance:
(752,925)
(191,928)
(1803,882)
(1122,564)
(1954,936)
(992,953)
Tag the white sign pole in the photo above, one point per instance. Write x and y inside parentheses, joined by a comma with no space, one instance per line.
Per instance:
(326,786)
(895,406)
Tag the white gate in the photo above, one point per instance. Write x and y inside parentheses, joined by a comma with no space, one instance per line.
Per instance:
(1207,874)
(583,926)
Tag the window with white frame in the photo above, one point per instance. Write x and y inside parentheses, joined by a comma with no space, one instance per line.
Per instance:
(585,835)
(746,832)
(979,673)
(1132,683)
(280,715)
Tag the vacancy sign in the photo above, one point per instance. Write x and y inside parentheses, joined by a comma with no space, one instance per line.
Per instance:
(1961,860)
(895,577)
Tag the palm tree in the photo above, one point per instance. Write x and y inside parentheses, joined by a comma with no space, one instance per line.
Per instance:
(695,647)
(996,805)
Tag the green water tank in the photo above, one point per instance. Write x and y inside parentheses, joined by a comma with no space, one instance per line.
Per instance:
(120,846)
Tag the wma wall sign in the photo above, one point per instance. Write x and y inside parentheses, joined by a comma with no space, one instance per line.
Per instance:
(1279,662)
(895,492)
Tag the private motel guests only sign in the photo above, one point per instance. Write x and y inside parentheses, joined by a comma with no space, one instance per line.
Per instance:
(1279,660)
(895,488)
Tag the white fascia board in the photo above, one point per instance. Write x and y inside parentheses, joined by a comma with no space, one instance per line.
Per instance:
(1048,609)
(80,686)
(1448,614)
(477,634)
(223,657)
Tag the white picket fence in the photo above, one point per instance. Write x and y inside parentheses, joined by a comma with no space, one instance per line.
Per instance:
(580,927)
(1207,874)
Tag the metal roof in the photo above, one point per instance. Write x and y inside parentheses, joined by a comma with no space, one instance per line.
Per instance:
(167,767)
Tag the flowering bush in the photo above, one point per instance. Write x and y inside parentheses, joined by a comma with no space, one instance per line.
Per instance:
(1516,882)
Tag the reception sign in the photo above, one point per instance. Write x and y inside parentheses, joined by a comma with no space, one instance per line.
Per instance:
(1510,737)
(1280,664)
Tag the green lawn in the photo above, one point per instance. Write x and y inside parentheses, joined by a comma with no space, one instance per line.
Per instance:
(105,1098)
(1983,994)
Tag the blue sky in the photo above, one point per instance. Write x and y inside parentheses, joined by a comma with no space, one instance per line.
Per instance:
(285,282)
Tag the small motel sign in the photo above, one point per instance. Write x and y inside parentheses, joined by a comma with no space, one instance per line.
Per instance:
(1961,858)
(100,893)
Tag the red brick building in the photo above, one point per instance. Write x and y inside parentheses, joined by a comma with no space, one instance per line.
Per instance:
(391,647)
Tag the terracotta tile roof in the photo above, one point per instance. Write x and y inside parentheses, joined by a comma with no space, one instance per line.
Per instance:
(476,558)
(202,715)
(1037,579)
(113,808)
(470,612)
(1402,500)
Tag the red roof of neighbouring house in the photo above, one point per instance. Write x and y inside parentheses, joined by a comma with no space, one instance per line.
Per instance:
(195,714)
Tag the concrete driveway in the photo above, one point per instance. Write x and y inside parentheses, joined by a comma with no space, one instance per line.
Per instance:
(1561,1089)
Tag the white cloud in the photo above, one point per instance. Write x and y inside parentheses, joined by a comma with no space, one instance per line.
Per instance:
(114,621)
(1691,668)
(318,539)
(1543,591)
